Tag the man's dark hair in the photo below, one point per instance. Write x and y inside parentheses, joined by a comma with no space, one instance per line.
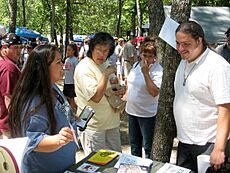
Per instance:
(227,32)
(194,29)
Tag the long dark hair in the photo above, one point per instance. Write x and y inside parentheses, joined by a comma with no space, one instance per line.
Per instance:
(194,29)
(101,38)
(34,81)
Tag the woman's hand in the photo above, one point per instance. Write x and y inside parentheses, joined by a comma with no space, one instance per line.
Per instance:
(110,70)
(65,135)
(145,67)
(54,142)
(120,91)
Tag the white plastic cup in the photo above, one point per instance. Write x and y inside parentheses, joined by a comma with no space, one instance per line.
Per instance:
(203,162)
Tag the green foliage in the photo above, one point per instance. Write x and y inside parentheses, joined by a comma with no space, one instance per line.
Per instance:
(4,11)
(97,15)
(87,16)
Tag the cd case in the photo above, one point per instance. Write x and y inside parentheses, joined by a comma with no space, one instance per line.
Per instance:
(86,167)
(86,114)
(124,168)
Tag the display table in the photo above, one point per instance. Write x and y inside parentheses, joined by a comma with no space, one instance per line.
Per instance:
(109,168)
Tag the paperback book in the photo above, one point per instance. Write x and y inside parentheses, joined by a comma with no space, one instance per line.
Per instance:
(103,157)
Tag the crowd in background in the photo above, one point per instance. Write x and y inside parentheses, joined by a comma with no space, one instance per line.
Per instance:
(40,110)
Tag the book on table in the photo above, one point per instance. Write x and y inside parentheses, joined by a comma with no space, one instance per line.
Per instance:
(133,160)
(86,167)
(124,168)
(127,162)
(103,157)
(170,168)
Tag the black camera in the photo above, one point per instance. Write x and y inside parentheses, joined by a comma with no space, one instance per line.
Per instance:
(86,114)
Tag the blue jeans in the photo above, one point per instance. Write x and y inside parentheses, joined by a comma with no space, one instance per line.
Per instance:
(141,129)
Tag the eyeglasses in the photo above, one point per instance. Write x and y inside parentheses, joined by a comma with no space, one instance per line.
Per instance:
(148,55)
(183,44)
(102,52)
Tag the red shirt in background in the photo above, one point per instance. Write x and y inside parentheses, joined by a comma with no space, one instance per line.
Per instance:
(9,75)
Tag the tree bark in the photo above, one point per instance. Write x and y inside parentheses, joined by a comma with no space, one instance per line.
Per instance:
(52,28)
(23,13)
(139,18)
(67,29)
(120,4)
(133,22)
(156,20)
(165,129)
(13,15)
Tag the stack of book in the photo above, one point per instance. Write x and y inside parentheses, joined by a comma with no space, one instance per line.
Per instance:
(98,160)
(106,161)
(130,163)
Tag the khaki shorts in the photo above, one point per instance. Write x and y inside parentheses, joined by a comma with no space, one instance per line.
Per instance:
(96,140)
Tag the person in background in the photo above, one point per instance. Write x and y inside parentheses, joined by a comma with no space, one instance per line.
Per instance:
(119,53)
(129,53)
(9,75)
(40,112)
(224,50)
(61,48)
(29,47)
(116,40)
(143,83)
(84,49)
(38,41)
(202,99)
(70,64)
(119,49)
(23,53)
(102,131)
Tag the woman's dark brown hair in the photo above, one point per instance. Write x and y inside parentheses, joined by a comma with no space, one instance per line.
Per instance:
(34,81)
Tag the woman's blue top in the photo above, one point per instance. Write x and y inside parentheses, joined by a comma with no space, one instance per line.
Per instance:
(36,127)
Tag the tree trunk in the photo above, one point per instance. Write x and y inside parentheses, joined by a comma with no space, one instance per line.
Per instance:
(156,20)
(120,4)
(139,18)
(133,21)
(23,13)
(52,28)
(165,130)
(67,25)
(13,15)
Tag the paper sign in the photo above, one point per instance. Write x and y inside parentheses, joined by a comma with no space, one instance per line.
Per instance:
(167,32)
